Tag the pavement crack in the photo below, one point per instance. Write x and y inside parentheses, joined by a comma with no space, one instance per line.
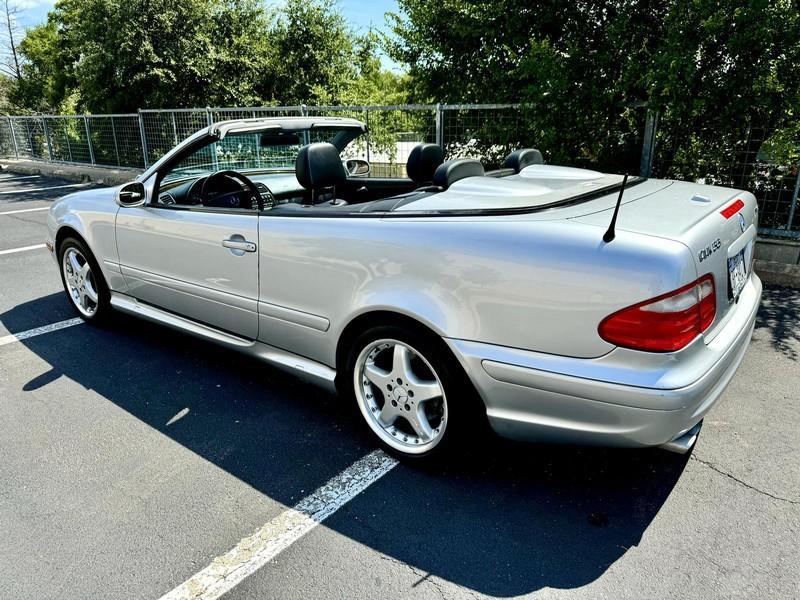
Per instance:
(426,578)
(715,468)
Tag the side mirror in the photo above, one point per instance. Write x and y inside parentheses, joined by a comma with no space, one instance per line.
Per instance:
(357,167)
(131,194)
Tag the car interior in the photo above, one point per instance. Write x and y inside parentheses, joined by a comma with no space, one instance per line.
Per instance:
(321,183)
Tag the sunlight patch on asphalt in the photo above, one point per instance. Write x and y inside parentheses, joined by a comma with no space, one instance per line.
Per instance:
(178,416)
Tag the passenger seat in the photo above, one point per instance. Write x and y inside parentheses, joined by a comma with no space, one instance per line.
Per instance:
(454,170)
(422,163)
(516,161)
(524,157)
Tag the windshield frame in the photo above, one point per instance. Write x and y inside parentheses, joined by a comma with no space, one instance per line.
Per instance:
(350,130)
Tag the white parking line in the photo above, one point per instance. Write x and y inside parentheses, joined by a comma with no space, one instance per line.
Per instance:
(24,335)
(23,210)
(44,189)
(256,550)
(18,178)
(23,249)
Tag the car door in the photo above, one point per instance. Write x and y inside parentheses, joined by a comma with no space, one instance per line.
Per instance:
(201,263)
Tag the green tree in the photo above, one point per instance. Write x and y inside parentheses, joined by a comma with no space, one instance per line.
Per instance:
(588,70)
(312,54)
(374,84)
(43,84)
(120,55)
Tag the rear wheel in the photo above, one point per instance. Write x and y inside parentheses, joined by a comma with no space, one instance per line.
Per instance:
(412,394)
(83,281)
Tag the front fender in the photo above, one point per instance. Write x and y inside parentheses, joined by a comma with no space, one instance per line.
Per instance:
(91,214)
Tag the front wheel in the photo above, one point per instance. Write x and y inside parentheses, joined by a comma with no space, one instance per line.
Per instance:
(83,281)
(411,392)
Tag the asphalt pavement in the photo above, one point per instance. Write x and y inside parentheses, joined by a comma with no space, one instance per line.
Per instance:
(132,456)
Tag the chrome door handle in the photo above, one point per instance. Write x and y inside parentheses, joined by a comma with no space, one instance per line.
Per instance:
(243,245)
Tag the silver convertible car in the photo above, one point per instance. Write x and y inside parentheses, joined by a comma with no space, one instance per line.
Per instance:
(553,303)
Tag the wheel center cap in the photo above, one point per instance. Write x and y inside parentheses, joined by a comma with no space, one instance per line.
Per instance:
(399,394)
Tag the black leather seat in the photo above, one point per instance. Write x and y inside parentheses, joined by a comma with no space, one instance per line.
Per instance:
(319,168)
(524,157)
(454,170)
(422,163)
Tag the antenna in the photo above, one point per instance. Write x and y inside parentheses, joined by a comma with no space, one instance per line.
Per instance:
(609,235)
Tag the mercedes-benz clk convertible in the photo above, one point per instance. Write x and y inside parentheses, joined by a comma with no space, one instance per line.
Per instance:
(553,303)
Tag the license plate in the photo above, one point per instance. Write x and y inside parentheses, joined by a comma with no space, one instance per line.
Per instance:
(737,274)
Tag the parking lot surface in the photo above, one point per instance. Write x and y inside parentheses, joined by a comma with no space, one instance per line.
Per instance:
(132,456)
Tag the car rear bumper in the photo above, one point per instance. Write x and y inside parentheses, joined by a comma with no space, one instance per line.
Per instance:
(625,398)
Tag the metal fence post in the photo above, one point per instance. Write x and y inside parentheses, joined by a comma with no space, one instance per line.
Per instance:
(369,139)
(66,135)
(114,137)
(794,203)
(13,137)
(213,147)
(47,139)
(88,138)
(142,137)
(30,138)
(174,128)
(439,126)
(648,144)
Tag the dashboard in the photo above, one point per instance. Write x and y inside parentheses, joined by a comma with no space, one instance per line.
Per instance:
(275,189)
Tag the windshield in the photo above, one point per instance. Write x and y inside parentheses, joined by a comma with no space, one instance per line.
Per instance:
(267,150)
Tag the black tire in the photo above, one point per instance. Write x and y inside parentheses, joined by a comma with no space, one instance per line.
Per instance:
(102,310)
(466,414)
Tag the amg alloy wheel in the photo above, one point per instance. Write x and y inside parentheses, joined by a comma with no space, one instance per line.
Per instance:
(83,281)
(401,396)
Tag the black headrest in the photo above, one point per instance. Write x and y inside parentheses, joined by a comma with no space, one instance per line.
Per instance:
(422,162)
(458,168)
(319,166)
(525,157)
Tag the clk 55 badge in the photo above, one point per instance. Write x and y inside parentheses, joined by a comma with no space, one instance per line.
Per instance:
(709,250)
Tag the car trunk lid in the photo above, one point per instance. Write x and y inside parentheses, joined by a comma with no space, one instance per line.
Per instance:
(717,224)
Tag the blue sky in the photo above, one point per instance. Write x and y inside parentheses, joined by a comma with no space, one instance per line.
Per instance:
(361,13)
(32,11)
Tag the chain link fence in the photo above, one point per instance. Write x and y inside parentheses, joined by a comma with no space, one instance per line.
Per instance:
(484,131)
(748,166)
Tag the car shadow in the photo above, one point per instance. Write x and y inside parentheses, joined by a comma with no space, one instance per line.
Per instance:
(504,520)
(778,318)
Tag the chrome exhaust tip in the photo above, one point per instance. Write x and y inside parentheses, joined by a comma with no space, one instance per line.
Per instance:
(684,443)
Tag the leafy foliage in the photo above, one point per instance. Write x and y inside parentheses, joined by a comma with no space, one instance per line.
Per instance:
(120,55)
(588,70)
(313,53)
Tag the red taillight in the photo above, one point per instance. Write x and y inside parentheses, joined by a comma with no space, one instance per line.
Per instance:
(732,209)
(666,323)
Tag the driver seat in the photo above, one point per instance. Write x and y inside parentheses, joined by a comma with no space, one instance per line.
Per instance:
(319,169)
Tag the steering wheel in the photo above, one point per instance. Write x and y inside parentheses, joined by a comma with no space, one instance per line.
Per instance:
(228,199)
